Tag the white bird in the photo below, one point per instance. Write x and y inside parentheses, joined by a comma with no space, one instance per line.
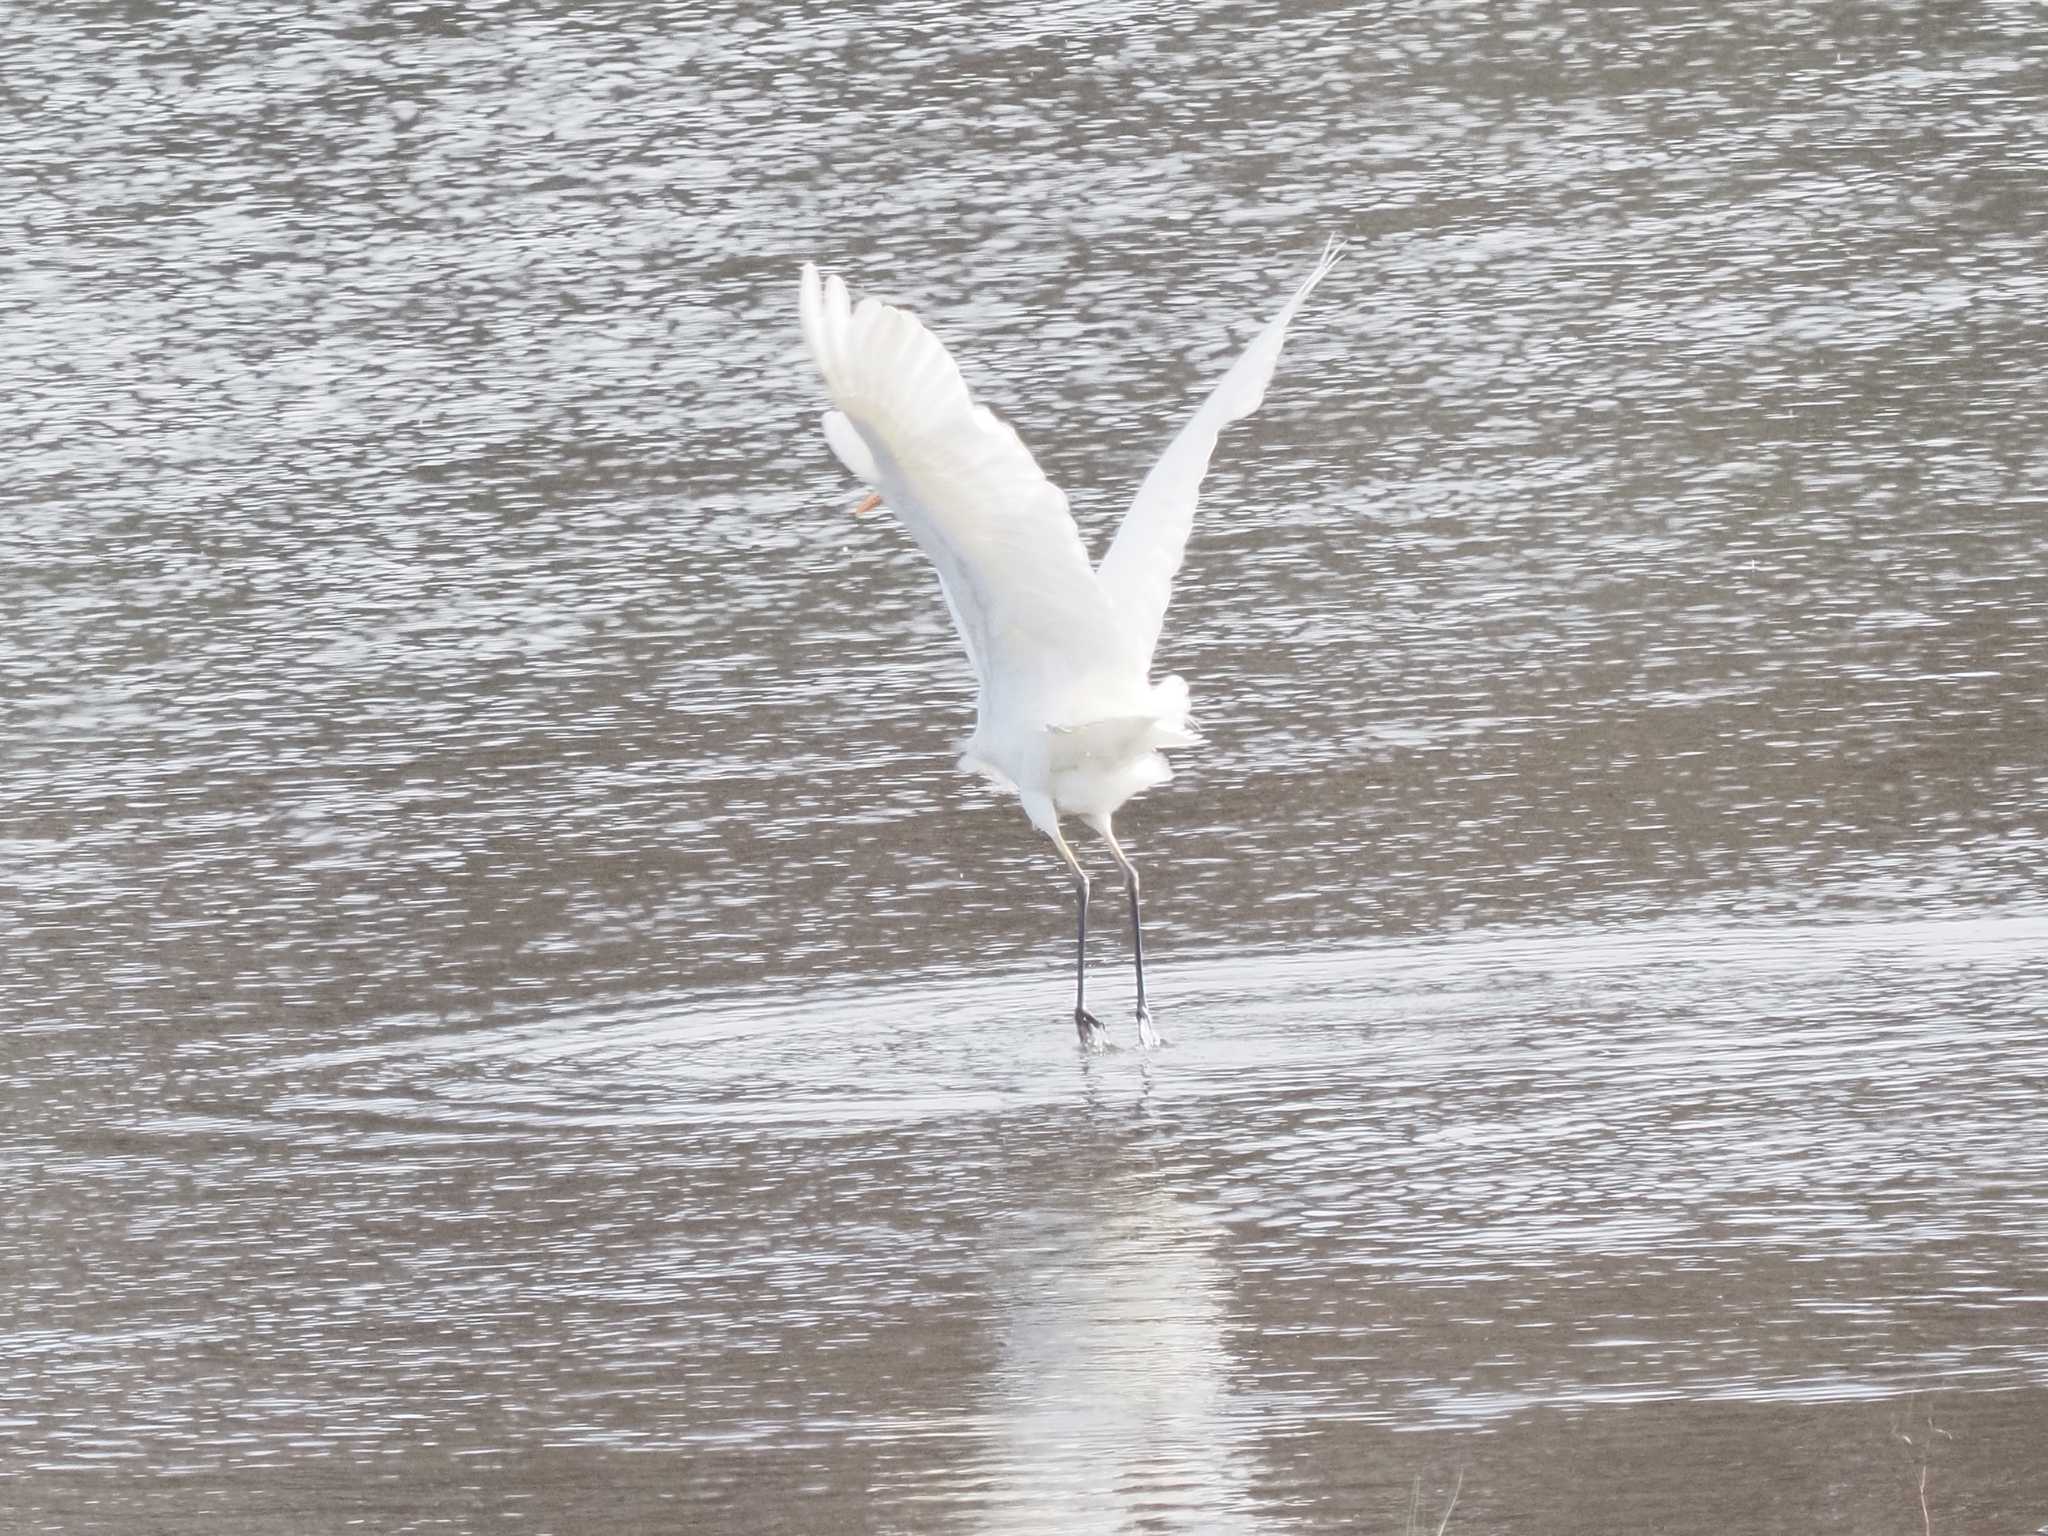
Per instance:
(1067,716)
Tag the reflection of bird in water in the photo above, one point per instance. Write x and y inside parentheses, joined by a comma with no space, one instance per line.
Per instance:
(1067,715)
(1112,1325)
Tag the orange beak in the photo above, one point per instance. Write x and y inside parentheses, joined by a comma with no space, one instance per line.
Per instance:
(867,506)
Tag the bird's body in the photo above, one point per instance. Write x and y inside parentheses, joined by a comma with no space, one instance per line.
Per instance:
(1067,715)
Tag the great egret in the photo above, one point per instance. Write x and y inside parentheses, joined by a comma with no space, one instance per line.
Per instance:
(1067,716)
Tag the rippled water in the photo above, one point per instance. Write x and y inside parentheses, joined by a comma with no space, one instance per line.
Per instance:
(512,1020)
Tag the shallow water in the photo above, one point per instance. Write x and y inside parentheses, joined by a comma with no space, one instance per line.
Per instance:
(513,1021)
(1679,1226)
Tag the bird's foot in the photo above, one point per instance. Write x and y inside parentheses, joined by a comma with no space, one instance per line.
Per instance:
(1148,1037)
(1093,1037)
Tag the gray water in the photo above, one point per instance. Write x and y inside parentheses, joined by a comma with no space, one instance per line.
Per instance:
(513,1022)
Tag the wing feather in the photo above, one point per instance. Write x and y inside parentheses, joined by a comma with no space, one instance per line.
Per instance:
(1136,575)
(1015,573)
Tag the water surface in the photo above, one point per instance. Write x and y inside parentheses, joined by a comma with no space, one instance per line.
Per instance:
(513,1021)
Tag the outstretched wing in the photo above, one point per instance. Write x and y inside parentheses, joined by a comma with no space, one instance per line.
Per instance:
(1014,570)
(1137,574)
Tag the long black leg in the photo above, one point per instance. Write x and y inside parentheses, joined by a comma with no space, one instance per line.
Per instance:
(1086,1025)
(1146,1036)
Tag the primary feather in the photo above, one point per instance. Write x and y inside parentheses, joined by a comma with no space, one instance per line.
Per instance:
(1137,573)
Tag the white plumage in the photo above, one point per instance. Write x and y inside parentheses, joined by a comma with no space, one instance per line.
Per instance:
(1067,715)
